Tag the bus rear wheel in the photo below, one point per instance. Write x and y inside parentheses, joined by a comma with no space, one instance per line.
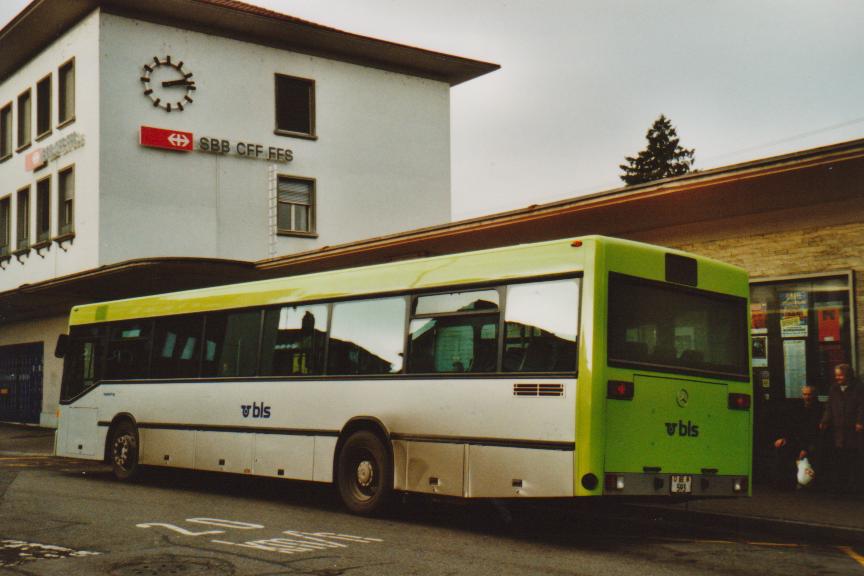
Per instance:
(124,451)
(364,474)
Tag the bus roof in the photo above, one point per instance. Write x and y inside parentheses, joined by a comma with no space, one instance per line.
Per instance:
(466,268)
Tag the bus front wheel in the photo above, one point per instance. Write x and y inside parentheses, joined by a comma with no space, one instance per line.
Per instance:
(364,474)
(124,451)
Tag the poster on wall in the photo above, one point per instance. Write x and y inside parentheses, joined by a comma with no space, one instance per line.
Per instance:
(758,317)
(829,319)
(795,366)
(760,351)
(793,313)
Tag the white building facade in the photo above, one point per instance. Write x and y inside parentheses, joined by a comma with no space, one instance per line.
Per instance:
(155,145)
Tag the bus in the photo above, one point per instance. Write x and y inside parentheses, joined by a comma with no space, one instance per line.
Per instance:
(582,367)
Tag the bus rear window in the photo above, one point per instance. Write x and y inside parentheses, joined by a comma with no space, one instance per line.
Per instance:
(670,328)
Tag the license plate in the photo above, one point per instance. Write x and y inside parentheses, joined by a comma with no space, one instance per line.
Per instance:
(681,484)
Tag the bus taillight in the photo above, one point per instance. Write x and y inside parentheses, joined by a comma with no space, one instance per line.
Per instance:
(619,390)
(739,401)
(740,485)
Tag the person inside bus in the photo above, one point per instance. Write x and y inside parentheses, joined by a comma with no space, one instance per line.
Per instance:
(844,418)
(798,438)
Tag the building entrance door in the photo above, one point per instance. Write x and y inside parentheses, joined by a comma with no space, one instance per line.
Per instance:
(21,383)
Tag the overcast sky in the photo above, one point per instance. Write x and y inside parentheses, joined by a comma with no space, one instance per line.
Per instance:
(582,81)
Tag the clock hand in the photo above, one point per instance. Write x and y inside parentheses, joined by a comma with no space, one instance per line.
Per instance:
(180,82)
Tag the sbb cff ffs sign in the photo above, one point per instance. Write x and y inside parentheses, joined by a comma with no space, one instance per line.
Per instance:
(166,139)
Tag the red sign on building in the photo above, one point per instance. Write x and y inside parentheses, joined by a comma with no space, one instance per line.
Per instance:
(166,139)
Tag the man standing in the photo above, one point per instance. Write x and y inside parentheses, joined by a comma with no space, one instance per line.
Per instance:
(844,416)
(799,437)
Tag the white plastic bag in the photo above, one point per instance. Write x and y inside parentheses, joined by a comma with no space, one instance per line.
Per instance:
(806,474)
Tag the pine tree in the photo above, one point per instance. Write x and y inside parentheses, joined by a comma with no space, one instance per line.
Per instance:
(661,159)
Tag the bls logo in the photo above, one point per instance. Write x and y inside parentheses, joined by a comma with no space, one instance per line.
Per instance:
(688,429)
(257,411)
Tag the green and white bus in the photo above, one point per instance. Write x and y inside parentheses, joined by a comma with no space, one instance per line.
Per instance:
(581,367)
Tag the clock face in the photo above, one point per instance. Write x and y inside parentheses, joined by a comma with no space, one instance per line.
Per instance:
(168,85)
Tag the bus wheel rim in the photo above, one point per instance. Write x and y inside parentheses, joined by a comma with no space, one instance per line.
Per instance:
(122,449)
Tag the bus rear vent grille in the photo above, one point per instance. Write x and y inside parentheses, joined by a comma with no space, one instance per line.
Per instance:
(538,390)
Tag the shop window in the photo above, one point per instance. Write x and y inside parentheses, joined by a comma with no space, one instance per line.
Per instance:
(295,206)
(66,96)
(294,340)
(295,106)
(23,219)
(801,329)
(24,120)
(6,132)
(43,107)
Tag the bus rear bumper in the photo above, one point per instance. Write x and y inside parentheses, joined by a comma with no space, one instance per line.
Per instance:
(657,484)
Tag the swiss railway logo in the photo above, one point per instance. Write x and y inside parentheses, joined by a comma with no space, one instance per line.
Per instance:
(255,410)
(166,139)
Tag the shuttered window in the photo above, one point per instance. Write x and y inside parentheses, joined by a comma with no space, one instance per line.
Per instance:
(66,98)
(23,227)
(296,205)
(24,120)
(66,201)
(6,132)
(5,224)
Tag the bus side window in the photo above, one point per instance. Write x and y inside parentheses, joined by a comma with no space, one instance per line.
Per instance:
(231,344)
(542,320)
(294,340)
(128,354)
(177,347)
(455,332)
(355,349)
(82,365)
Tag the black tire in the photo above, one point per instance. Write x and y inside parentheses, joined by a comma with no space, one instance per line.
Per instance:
(123,452)
(364,474)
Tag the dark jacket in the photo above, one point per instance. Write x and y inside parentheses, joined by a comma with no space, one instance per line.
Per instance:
(842,411)
(800,426)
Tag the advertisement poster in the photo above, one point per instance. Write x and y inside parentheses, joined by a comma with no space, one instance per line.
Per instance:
(829,318)
(760,351)
(793,314)
(758,317)
(795,366)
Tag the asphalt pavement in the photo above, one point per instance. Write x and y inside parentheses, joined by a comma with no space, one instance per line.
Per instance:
(802,514)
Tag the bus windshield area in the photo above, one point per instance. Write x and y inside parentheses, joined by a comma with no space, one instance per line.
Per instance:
(671,328)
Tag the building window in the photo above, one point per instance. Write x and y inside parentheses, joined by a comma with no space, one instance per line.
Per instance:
(43,107)
(22,234)
(24,120)
(801,329)
(6,132)
(295,106)
(66,96)
(5,225)
(43,210)
(66,201)
(296,205)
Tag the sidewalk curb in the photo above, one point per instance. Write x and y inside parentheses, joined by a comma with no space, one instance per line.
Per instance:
(811,531)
